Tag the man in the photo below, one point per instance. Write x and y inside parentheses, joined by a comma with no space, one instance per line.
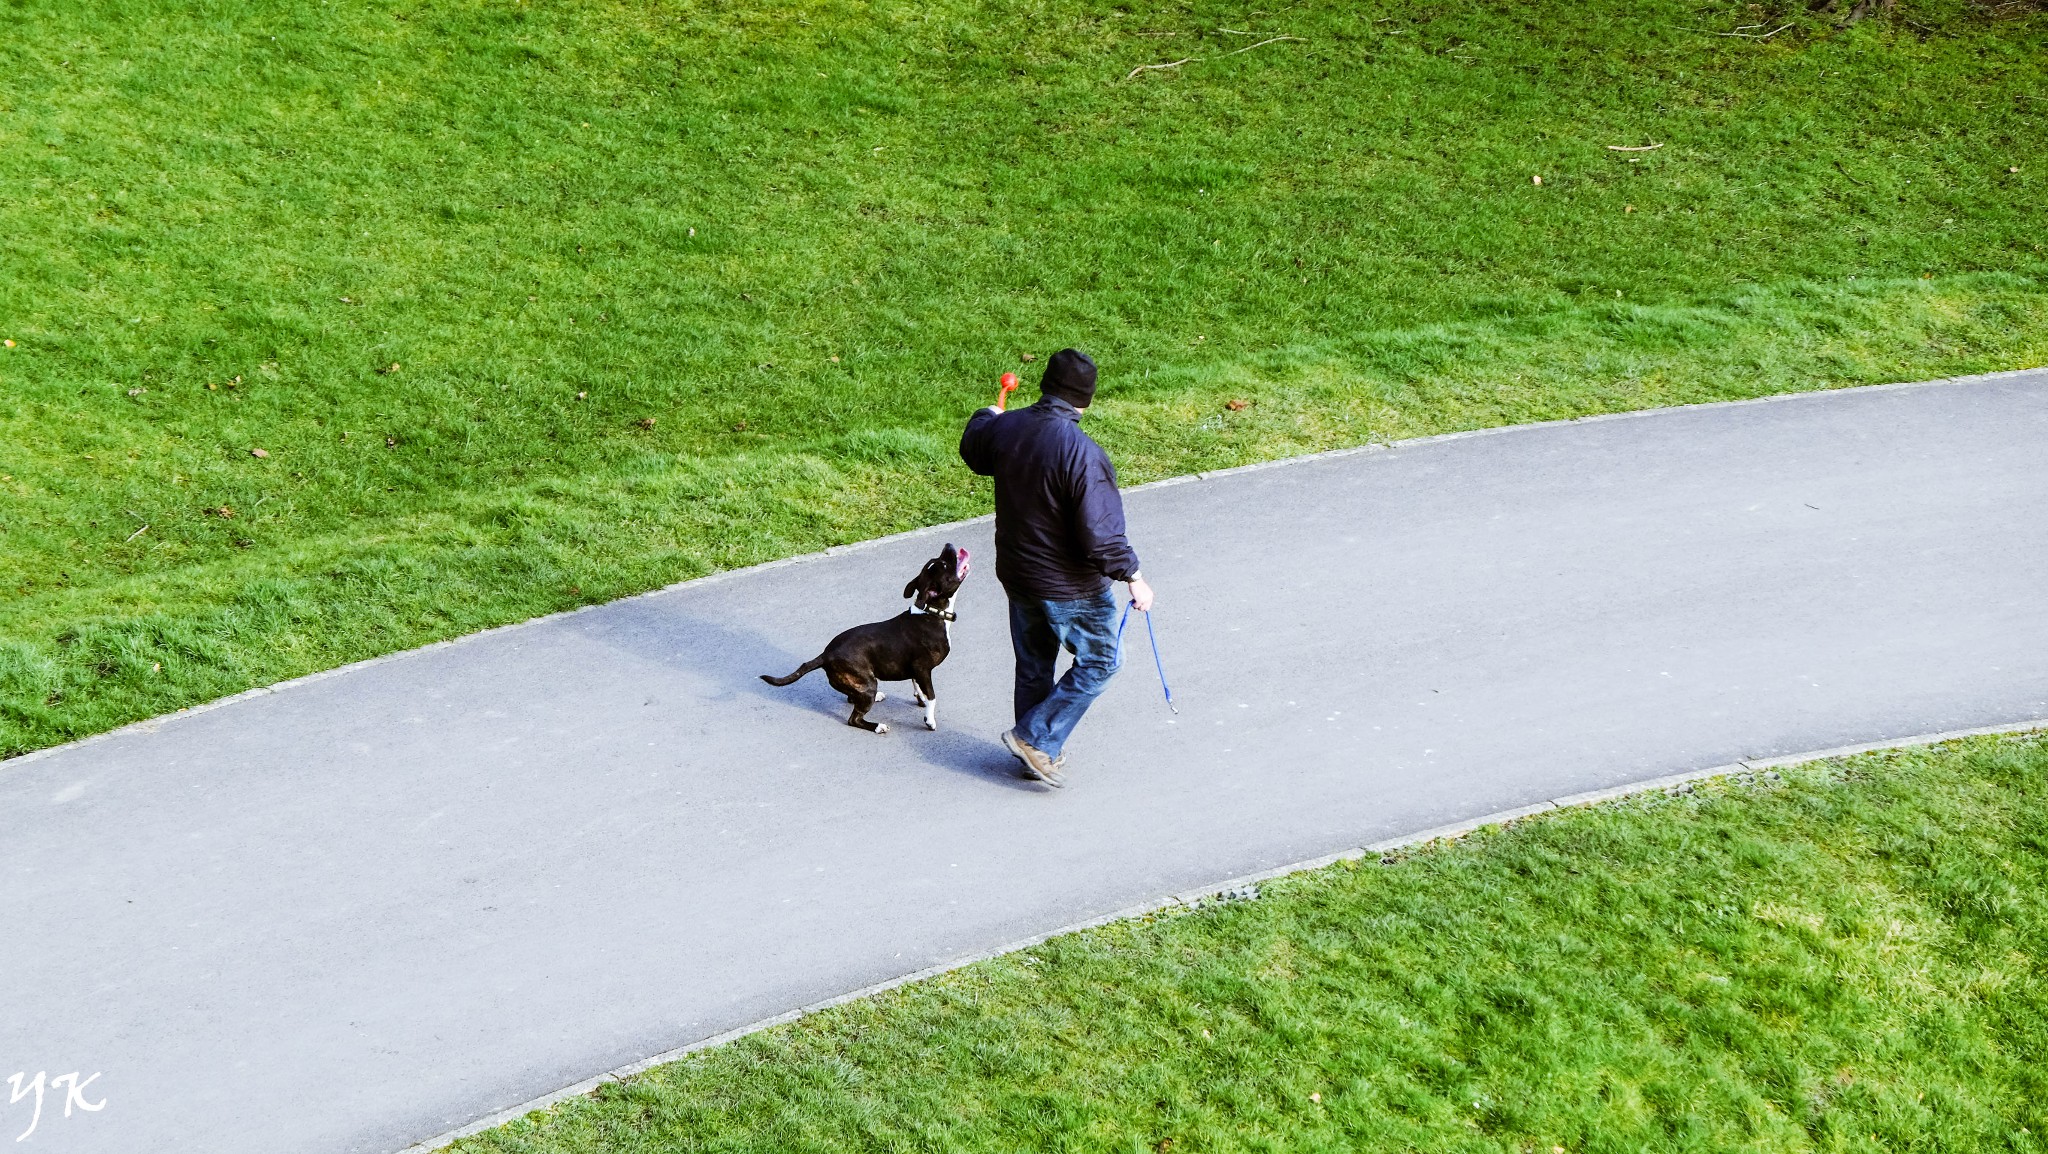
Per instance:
(1059,544)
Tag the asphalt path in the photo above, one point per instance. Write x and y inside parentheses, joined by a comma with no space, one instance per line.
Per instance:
(375,905)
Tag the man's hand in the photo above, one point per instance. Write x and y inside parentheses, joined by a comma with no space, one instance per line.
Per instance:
(1141,593)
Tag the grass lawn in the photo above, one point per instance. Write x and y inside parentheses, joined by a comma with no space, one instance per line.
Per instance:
(1845,958)
(534,304)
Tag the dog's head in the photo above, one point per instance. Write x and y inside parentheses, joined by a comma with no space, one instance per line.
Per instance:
(935,585)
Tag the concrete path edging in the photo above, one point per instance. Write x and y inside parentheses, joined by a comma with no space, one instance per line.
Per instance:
(1217,891)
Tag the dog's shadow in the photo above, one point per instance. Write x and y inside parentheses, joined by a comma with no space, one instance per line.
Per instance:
(734,658)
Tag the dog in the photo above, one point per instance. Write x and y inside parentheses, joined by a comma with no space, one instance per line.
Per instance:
(906,647)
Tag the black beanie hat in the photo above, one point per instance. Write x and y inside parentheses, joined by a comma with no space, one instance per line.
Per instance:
(1070,376)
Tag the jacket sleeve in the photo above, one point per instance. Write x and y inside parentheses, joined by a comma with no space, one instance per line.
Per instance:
(976,441)
(1099,519)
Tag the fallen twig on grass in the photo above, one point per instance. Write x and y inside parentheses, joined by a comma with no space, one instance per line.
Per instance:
(1149,67)
(137,533)
(1263,43)
(1633,147)
(1132,74)
(1741,35)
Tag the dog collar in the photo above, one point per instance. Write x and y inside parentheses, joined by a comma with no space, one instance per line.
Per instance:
(941,614)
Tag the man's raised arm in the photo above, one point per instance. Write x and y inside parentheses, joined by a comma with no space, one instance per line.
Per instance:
(975,449)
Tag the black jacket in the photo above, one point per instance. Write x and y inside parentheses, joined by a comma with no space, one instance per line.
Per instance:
(1059,518)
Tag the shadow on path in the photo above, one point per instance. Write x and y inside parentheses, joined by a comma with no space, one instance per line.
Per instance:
(974,756)
(732,658)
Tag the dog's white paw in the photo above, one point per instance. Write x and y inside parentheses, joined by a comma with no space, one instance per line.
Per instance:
(932,725)
(882,728)
(881,696)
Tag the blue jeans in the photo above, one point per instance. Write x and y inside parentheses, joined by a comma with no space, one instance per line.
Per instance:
(1047,713)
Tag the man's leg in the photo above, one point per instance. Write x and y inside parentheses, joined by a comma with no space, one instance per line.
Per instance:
(1038,649)
(1088,630)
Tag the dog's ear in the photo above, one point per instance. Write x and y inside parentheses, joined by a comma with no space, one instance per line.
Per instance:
(911,589)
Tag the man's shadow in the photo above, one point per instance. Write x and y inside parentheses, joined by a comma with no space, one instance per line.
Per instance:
(963,752)
(734,657)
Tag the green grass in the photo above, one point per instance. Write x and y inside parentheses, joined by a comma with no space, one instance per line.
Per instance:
(219,220)
(1847,958)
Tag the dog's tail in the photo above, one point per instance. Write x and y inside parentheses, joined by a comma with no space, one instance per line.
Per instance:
(801,670)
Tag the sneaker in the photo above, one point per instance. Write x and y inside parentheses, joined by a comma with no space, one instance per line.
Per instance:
(1036,764)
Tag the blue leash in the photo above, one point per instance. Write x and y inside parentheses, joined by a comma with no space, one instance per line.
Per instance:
(1156,662)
